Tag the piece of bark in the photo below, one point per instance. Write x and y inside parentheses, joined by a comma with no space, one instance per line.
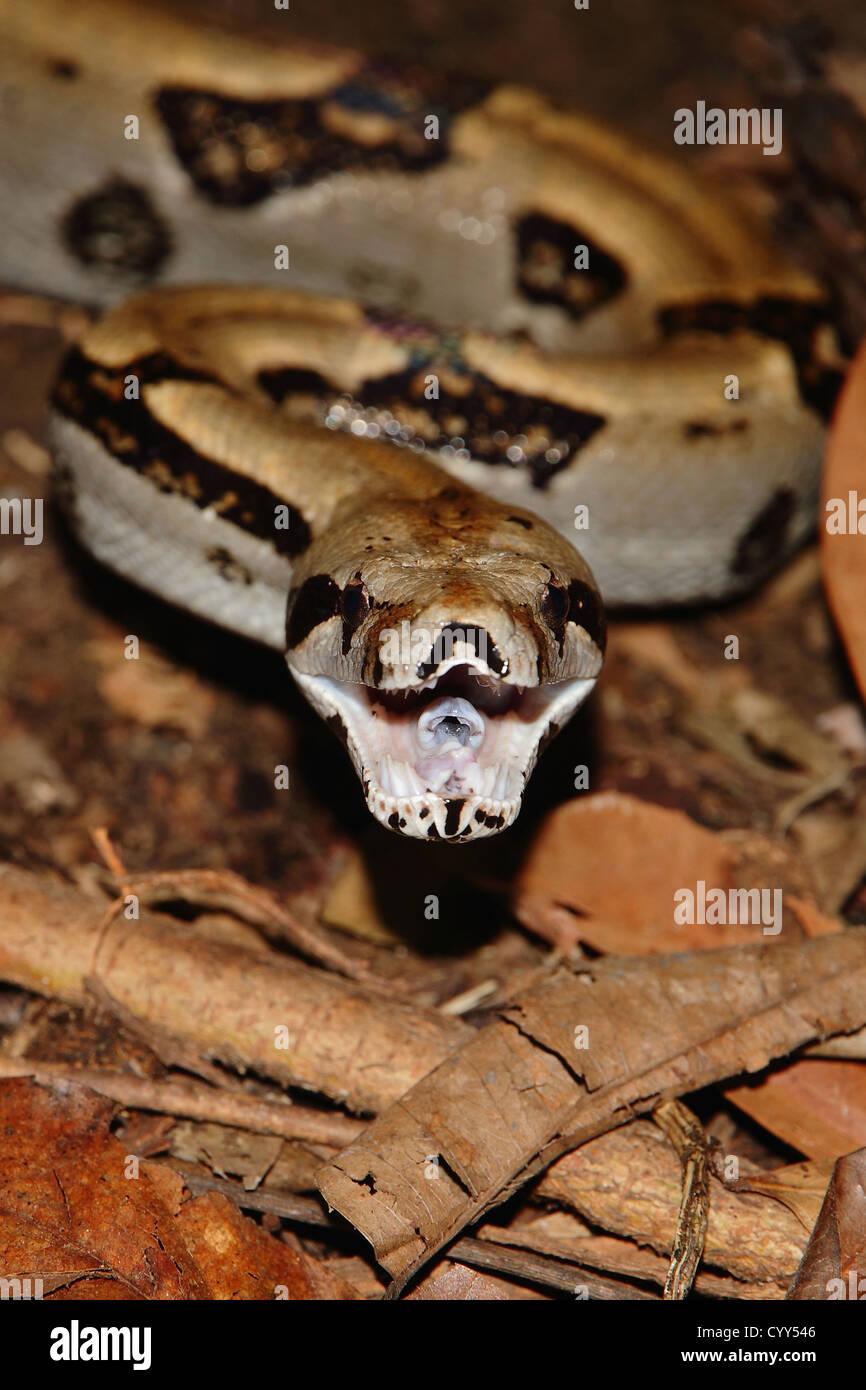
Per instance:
(628,1182)
(578,1283)
(195,1000)
(563,1235)
(570,1058)
(817,1106)
(835,1258)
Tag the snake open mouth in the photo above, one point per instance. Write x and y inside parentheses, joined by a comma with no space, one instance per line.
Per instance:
(449,758)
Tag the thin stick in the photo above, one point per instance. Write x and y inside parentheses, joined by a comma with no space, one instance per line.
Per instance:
(686,1133)
(539,1269)
(198,1102)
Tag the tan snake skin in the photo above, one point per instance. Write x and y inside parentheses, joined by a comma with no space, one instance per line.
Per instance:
(544,338)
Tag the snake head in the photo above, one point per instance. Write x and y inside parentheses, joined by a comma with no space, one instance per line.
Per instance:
(445,649)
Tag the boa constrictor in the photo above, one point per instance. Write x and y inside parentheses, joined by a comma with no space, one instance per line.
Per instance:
(544,336)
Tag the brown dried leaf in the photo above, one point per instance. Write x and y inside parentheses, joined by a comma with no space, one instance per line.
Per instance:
(570,1058)
(152,691)
(817,1106)
(452,1283)
(835,1259)
(239,1260)
(604,870)
(69,1212)
(843,557)
(74,1214)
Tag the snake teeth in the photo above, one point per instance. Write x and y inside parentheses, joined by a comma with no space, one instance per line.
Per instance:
(436,766)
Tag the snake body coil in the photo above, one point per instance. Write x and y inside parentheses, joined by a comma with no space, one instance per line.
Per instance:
(543,337)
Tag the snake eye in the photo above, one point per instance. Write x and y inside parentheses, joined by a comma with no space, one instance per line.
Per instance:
(554,604)
(355,603)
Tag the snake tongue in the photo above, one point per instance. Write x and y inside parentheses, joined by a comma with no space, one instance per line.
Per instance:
(450,719)
(451,730)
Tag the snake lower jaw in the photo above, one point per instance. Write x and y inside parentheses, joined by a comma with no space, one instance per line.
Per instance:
(436,767)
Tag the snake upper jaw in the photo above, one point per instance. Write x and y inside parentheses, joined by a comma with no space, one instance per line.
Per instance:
(448,762)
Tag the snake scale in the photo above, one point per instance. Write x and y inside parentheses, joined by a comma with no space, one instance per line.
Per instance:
(413,340)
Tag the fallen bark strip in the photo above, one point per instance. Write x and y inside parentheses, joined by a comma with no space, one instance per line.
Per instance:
(628,1181)
(221,889)
(615,1258)
(308,1211)
(574,1056)
(196,1001)
(196,1102)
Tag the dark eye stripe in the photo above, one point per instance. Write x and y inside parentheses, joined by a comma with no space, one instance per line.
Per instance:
(317,600)
(355,605)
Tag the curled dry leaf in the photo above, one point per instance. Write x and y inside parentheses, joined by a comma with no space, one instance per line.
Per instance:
(835,1259)
(571,1057)
(801,1186)
(843,545)
(605,870)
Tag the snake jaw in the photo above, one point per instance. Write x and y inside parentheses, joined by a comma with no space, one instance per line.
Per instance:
(449,761)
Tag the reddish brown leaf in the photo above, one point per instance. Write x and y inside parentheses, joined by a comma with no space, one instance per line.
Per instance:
(817,1106)
(605,870)
(843,555)
(239,1260)
(834,1264)
(78,1213)
(68,1208)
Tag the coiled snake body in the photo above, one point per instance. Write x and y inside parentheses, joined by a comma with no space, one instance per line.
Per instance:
(543,337)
